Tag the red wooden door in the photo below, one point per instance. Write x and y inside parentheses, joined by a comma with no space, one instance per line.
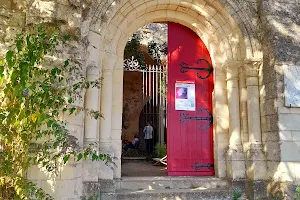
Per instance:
(189,111)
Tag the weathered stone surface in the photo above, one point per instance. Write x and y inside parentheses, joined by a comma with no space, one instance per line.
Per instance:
(266,30)
(170,194)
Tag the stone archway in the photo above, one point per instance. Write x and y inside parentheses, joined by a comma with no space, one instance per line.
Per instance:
(221,28)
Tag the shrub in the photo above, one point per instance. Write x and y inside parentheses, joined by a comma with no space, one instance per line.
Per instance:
(160,150)
(33,99)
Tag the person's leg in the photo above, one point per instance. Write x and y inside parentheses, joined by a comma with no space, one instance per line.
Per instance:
(130,145)
(147,145)
(151,146)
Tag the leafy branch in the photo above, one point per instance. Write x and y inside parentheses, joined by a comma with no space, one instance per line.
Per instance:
(35,95)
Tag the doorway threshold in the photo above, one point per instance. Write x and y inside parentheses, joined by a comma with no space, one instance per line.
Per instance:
(134,158)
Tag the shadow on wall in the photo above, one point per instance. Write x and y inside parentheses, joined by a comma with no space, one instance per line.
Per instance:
(280,42)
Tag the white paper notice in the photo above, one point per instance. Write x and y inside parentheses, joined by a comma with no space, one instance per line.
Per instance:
(185,96)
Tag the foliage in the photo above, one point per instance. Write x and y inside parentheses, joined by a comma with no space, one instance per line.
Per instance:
(133,49)
(158,50)
(160,150)
(236,195)
(92,197)
(33,99)
(164,86)
(297,193)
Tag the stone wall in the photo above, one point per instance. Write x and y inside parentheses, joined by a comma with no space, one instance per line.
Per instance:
(132,103)
(235,30)
(66,15)
(279,36)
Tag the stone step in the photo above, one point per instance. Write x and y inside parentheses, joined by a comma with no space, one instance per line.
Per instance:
(169,194)
(151,183)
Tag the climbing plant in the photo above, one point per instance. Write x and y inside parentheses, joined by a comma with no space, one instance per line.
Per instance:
(35,94)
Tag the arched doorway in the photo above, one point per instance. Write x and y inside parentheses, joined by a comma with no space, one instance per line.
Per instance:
(213,22)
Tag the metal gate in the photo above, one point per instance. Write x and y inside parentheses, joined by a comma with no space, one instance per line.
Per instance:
(154,99)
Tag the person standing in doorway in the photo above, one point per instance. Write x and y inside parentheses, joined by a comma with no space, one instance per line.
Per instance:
(148,136)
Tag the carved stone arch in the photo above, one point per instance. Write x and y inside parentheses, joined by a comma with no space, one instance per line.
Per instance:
(238,12)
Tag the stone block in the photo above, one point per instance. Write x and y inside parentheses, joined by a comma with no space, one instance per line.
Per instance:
(220,168)
(235,160)
(90,171)
(256,189)
(106,171)
(39,173)
(270,106)
(287,122)
(290,151)
(295,135)
(272,167)
(256,165)
(285,172)
(70,171)
(75,119)
(107,186)
(91,189)
(51,11)
(272,150)
(77,132)
(271,136)
(274,122)
(266,123)
(64,189)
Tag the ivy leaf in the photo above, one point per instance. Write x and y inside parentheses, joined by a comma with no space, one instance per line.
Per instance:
(40,118)
(1,70)
(49,123)
(34,117)
(66,158)
(66,63)
(79,157)
(10,58)
(72,110)
(94,157)
(85,155)
(19,44)
(70,100)
(66,37)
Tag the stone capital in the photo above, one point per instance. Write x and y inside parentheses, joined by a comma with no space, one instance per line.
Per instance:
(251,68)
(232,69)
(109,61)
(93,69)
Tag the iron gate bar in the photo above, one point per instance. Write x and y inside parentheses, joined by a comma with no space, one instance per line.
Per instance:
(185,67)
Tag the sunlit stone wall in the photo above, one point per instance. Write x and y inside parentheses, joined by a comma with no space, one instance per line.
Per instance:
(240,35)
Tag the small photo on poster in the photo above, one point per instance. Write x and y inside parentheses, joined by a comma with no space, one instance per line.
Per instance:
(185,96)
(181,93)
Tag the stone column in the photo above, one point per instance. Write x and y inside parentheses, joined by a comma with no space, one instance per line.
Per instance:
(255,155)
(106,101)
(92,94)
(235,155)
(221,117)
(106,172)
(117,109)
(92,102)
(243,109)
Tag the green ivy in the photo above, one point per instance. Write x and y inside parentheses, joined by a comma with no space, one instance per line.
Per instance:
(33,98)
